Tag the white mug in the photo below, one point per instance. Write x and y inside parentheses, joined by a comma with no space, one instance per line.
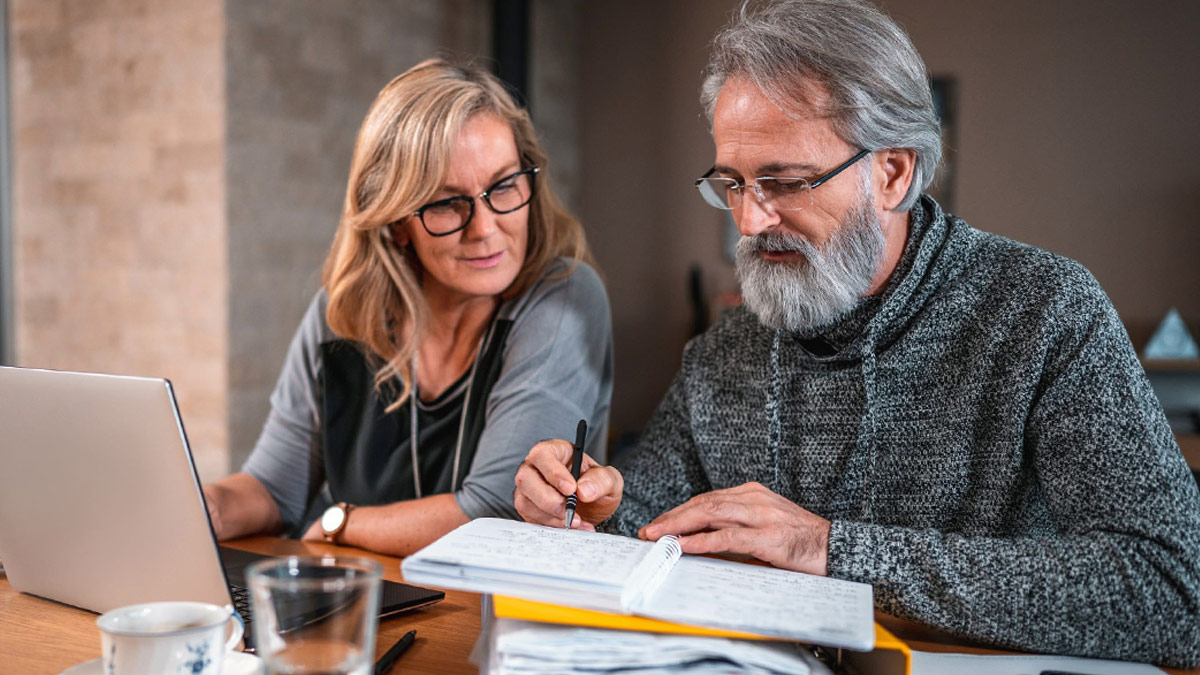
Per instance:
(167,637)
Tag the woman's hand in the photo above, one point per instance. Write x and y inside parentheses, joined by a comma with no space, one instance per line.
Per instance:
(214,496)
(314,532)
(544,481)
(240,506)
(400,528)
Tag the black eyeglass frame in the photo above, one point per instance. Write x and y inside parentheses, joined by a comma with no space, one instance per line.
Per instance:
(812,185)
(485,196)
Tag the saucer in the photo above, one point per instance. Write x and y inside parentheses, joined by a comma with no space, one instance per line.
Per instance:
(236,663)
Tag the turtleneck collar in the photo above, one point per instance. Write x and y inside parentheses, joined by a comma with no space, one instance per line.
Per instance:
(831,341)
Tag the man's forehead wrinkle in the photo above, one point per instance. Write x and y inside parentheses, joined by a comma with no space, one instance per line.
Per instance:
(800,96)
(800,103)
(754,137)
(768,151)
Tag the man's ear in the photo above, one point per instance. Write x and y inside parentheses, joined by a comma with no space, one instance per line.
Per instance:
(896,167)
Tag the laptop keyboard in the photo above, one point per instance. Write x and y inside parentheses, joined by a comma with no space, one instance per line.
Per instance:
(394,597)
(241,603)
(241,599)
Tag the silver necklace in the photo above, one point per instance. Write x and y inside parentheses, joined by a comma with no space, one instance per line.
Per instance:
(462,420)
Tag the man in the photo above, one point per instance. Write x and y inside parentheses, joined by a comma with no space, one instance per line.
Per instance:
(953,417)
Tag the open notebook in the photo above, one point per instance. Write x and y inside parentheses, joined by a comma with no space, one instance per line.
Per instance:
(618,574)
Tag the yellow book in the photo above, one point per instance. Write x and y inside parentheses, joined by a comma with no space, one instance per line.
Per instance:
(891,656)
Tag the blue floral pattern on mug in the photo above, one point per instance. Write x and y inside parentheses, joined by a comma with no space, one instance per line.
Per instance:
(199,659)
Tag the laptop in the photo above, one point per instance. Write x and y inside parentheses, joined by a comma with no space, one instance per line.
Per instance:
(100,502)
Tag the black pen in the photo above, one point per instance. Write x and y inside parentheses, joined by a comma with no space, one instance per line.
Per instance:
(576,465)
(386,661)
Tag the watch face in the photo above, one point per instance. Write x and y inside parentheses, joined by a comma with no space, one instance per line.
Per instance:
(332,518)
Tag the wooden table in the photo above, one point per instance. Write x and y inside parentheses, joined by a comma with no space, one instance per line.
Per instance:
(38,636)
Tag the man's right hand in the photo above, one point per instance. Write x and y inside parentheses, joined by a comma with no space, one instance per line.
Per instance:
(544,481)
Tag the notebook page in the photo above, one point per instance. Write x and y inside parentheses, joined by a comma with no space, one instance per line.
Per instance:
(767,601)
(523,549)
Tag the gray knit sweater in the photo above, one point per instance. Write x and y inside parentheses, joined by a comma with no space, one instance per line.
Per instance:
(984,440)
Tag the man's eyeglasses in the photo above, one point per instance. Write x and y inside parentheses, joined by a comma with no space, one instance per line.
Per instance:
(782,194)
(447,216)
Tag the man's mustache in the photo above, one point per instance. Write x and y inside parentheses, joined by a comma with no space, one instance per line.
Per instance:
(779,242)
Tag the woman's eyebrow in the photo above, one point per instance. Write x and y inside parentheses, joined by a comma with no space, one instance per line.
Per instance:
(507,170)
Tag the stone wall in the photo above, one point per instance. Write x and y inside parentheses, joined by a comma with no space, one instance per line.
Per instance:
(119,226)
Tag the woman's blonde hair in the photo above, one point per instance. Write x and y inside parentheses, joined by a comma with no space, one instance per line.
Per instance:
(401,159)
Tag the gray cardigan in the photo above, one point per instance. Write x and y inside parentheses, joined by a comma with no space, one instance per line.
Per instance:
(557,369)
(984,440)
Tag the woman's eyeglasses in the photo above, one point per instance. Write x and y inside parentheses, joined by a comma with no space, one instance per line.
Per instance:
(447,216)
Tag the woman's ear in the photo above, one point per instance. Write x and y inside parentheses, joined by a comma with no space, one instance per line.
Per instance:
(399,234)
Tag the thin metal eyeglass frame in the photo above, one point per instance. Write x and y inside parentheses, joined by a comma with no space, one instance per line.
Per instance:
(485,196)
(762,199)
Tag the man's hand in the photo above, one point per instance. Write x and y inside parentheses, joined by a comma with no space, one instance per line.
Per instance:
(544,481)
(748,519)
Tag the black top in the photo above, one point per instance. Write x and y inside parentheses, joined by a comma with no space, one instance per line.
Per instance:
(368,458)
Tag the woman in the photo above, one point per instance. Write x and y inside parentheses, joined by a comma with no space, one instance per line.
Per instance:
(458,324)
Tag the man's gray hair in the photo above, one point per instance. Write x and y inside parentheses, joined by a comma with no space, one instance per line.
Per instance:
(877,84)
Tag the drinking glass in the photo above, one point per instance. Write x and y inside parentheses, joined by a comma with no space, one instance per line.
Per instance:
(315,615)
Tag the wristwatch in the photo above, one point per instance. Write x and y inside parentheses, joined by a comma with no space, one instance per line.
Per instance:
(334,520)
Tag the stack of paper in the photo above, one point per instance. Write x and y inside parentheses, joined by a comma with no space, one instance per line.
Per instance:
(525,647)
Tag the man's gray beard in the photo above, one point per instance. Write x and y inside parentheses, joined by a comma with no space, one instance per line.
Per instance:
(828,283)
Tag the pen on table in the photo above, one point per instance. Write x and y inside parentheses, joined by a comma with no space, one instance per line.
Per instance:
(385,662)
(576,464)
